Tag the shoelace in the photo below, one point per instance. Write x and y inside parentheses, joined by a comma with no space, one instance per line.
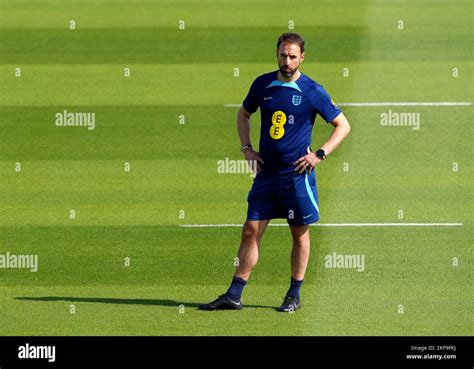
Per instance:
(288,300)
(220,296)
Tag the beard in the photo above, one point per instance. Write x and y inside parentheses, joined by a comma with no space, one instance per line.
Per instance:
(287,72)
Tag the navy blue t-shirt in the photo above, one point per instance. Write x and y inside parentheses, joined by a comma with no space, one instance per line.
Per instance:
(288,111)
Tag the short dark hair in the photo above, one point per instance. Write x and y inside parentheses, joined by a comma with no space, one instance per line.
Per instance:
(293,38)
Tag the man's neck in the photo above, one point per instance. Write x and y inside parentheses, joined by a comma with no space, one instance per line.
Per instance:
(293,78)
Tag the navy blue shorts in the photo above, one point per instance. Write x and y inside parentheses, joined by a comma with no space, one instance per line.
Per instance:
(295,199)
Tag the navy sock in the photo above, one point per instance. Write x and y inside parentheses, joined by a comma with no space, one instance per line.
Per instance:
(236,288)
(294,288)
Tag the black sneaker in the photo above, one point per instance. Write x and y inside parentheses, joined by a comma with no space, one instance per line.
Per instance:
(290,304)
(223,302)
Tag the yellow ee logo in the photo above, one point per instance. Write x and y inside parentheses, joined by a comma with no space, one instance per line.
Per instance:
(278,121)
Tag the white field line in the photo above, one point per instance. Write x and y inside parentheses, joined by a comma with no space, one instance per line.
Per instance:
(440,103)
(333,225)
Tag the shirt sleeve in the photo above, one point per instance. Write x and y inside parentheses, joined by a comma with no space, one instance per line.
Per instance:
(251,102)
(324,105)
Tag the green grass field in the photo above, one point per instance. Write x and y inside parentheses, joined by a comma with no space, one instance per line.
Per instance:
(138,214)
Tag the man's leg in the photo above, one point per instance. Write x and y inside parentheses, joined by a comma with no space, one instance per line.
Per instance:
(300,251)
(252,232)
(299,262)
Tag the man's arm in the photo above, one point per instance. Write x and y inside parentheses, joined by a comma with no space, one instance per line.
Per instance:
(243,128)
(341,130)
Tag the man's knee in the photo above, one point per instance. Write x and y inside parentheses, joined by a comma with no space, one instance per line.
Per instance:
(300,235)
(251,232)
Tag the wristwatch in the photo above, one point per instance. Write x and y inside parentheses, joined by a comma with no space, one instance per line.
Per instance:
(321,154)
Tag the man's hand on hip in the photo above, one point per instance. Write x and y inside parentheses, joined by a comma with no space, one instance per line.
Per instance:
(309,161)
(254,159)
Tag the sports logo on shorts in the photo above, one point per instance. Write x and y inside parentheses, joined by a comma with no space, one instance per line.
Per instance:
(296,100)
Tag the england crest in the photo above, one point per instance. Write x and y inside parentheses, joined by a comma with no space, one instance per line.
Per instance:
(296,100)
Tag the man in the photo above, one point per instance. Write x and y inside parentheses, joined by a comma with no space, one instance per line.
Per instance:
(285,185)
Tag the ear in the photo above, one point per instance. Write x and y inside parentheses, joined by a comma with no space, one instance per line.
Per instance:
(302,57)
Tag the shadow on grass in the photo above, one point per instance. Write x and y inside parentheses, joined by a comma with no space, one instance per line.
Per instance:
(103,300)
